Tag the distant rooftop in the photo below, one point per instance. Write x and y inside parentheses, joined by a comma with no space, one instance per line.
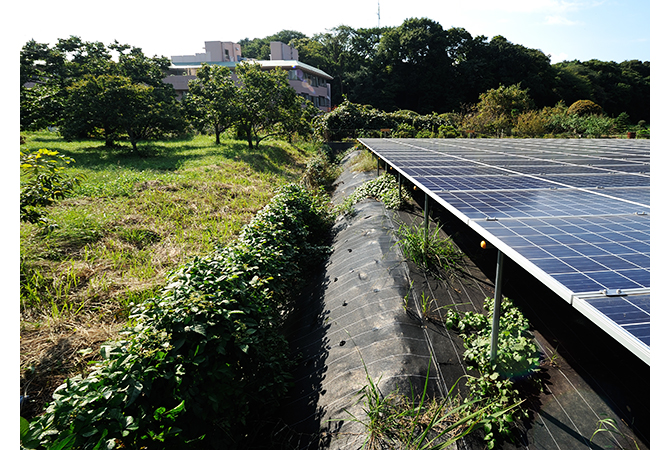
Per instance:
(228,54)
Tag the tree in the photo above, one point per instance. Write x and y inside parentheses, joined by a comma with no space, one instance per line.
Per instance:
(211,98)
(265,102)
(114,104)
(259,48)
(49,74)
(43,75)
(416,65)
(499,108)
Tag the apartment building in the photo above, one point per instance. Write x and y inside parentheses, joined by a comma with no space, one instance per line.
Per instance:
(308,81)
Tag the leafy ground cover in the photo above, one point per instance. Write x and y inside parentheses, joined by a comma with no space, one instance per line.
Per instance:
(132,221)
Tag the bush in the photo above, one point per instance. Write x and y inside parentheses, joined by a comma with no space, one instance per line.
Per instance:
(404,131)
(384,189)
(531,124)
(518,359)
(354,120)
(208,353)
(424,134)
(584,107)
(44,182)
(321,171)
(448,131)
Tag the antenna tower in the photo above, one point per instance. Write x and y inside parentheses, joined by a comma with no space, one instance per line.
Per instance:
(378,15)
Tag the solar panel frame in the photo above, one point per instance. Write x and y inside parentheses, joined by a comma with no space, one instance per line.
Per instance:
(573,214)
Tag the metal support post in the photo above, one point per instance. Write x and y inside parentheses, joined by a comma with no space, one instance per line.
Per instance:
(425,226)
(426,213)
(378,165)
(496,308)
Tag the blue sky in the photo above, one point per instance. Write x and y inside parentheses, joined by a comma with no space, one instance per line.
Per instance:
(609,30)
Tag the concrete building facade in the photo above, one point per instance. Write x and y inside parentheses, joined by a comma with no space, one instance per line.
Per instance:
(309,82)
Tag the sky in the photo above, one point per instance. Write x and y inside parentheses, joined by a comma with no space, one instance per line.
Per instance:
(608,30)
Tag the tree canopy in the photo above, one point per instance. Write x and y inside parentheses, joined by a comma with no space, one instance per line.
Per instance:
(423,67)
(86,87)
(267,105)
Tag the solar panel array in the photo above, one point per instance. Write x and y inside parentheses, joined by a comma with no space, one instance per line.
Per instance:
(574,213)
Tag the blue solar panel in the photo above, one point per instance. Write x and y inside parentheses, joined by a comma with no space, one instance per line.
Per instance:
(536,203)
(630,312)
(479,183)
(576,255)
(575,213)
(602,180)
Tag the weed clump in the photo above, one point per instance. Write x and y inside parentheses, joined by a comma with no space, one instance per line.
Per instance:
(517,361)
(429,251)
(383,188)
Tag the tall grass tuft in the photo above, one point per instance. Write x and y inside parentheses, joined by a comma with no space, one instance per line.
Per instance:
(429,251)
(421,422)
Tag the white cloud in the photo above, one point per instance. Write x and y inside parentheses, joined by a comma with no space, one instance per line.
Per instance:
(559,58)
(559,20)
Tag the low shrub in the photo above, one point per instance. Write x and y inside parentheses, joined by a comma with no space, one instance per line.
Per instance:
(321,172)
(517,361)
(585,108)
(205,356)
(44,182)
(384,188)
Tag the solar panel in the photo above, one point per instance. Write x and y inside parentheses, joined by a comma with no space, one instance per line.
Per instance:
(574,213)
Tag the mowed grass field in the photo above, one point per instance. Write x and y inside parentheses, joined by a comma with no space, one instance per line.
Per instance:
(133,220)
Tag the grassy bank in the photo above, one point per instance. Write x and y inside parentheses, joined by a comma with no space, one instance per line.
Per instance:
(133,220)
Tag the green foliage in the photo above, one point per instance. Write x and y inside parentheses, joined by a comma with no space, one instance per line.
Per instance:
(321,172)
(116,104)
(517,360)
(354,120)
(44,182)
(404,130)
(584,108)
(587,126)
(420,421)
(383,188)
(531,124)
(266,104)
(429,251)
(210,100)
(47,73)
(259,48)
(365,161)
(498,109)
(201,358)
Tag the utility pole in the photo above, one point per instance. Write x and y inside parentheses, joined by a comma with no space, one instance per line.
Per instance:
(379,17)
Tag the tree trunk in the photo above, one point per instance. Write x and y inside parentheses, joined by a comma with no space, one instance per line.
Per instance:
(109,137)
(250,138)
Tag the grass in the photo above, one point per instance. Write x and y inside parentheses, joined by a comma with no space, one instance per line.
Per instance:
(134,219)
(418,421)
(365,161)
(429,251)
